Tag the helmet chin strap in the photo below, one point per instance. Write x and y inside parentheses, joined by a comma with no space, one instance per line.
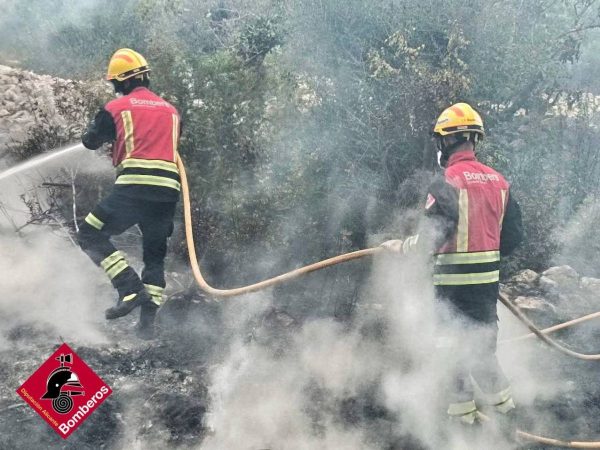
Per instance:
(446,150)
(126,86)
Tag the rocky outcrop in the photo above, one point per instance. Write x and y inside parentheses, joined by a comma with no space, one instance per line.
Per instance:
(560,279)
(558,292)
(40,109)
(590,285)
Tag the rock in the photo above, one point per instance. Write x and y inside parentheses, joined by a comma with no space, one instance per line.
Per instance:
(523,283)
(565,277)
(590,285)
(534,303)
(31,105)
(526,277)
(549,286)
(511,290)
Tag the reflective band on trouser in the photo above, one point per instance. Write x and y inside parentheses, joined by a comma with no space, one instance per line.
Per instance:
(467,258)
(505,406)
(501,401)
(114,264)
(458,279)
(116,269)
(110,260)
(458,409)
(498,397)
(156,292)
(150,180)
(128,127)
(94,222)
(466,411)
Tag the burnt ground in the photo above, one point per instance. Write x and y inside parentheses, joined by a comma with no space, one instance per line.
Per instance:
(160,392)
(575,414)
(159,388)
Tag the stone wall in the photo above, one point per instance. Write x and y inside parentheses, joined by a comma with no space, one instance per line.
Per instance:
(37,111)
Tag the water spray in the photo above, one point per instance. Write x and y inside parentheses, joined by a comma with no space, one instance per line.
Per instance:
(39,160)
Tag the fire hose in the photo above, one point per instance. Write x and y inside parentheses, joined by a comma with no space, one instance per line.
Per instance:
(187,214)
(541,335)
(203,284)
(552,329)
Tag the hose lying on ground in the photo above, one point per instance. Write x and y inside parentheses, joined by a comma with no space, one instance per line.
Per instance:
(519,315)
(544,440)
(552,329)
(349,257)
(557,442)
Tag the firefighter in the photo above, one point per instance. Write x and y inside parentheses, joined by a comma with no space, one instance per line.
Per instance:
(473,220)
(144,130)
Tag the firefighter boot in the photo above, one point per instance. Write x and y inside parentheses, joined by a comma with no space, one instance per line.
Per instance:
(464,425)
(505,416)
(145,327)
(464,413)
(127,304)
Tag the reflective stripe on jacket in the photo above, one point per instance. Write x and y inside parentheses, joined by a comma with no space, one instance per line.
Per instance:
(147,135)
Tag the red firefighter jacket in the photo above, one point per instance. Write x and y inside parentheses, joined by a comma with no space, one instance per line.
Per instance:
(145,132)
(476,221)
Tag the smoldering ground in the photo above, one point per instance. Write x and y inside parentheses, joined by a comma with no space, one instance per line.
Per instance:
(373,384)
(53,293)
(380,382)
(273,380)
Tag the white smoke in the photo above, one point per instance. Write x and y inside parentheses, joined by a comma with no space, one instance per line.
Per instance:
(578,239)
(47,280)
(264,397)
(261,400)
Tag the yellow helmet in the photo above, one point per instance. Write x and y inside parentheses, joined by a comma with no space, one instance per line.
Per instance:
(126,63)
(459,118)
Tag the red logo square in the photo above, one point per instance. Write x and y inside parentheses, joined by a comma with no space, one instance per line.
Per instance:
(64,391)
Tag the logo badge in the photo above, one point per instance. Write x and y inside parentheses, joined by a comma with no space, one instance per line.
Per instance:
(430,201)
(64,391)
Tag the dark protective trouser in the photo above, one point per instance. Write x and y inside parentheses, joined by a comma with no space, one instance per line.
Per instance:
(475,362)
(112,216)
